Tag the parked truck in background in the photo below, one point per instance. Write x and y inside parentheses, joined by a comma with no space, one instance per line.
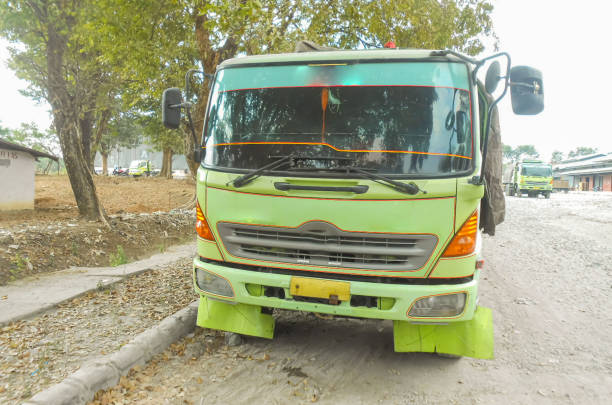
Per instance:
(532,177)
(140,168)
(348,183)
(561,185)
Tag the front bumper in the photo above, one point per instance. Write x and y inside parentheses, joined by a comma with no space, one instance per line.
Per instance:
(403,295)
(529,187)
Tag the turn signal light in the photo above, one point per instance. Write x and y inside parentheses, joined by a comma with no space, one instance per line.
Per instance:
(464,241)
(201,225)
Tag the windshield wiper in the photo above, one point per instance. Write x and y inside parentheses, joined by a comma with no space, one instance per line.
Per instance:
(248,177)
(278,162)
(408,188)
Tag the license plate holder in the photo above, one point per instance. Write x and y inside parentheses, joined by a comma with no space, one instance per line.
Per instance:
(317,288)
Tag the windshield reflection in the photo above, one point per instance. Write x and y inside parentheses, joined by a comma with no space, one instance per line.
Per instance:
(393,129)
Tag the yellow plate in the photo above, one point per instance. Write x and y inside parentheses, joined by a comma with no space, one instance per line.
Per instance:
(316,288)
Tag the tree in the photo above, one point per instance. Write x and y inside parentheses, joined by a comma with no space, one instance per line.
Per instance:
(63,67)
(167,141)
(122,132)
(516,154)
(557,157)
(30,136)
(581,151)
(168,38)
(508,152)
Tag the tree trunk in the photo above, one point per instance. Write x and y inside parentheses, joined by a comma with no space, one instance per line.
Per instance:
(166,169)
(100,128)
(66,122)
(85,134)
(104,164)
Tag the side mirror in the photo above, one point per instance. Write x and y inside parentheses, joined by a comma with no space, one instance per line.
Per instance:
(526,91)
(492,77)
(461,119)
(171,110)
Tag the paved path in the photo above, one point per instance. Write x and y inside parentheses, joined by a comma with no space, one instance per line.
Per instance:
(33,295)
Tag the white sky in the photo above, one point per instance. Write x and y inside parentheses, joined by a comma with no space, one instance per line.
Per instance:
(567,40)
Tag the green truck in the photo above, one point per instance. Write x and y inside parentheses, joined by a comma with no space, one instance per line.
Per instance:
(140,168)
(348,183)
(532,177)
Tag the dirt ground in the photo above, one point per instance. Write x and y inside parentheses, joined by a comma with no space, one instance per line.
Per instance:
(54,199)
(145,215)
(42,351)
(547,277)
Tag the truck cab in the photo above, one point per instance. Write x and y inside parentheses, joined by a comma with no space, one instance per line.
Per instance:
(140,168)
(532,177)
(346,183)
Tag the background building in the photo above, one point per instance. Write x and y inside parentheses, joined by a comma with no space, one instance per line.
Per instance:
(590,172)
(17,168)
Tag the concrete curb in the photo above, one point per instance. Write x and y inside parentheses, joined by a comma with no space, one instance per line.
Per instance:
(34,295)
(105,372)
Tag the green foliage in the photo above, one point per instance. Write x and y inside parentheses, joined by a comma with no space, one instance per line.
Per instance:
(118,258)
(581,151)
(557,157)
(30,136)
(120,55)
(19,265)
(123,132)
(520,152)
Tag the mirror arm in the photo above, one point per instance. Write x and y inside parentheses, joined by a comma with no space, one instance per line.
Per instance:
(479,180)
(187,105)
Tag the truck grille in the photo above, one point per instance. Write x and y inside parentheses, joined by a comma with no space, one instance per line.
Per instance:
(537,183)
(322,244)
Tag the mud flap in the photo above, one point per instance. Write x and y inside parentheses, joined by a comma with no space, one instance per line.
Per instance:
(238,318)
(471,338)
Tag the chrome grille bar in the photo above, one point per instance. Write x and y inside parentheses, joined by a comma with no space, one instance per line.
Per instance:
(322,244)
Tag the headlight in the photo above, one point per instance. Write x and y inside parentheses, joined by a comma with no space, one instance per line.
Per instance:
(438,306)
(213,284)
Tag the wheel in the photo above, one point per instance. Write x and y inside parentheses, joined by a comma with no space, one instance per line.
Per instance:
(517,191)
(547,195)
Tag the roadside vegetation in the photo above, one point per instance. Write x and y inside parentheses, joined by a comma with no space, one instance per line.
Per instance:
(146,216)
(102,95)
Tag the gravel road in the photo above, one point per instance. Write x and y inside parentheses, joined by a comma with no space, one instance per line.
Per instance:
(547,277)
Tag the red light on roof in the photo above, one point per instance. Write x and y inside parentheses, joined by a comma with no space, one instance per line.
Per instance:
(390,45)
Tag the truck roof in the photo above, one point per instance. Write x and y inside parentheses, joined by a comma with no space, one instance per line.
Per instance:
(339,56)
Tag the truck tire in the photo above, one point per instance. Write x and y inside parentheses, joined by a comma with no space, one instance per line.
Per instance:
(517,191)
(547,195)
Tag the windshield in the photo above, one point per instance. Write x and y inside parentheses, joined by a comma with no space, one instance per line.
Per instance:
(134,164)
(390,128)
(537,171)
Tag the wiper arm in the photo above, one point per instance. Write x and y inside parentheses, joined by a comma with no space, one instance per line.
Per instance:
(248,177)
(278,162)
(408,188)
